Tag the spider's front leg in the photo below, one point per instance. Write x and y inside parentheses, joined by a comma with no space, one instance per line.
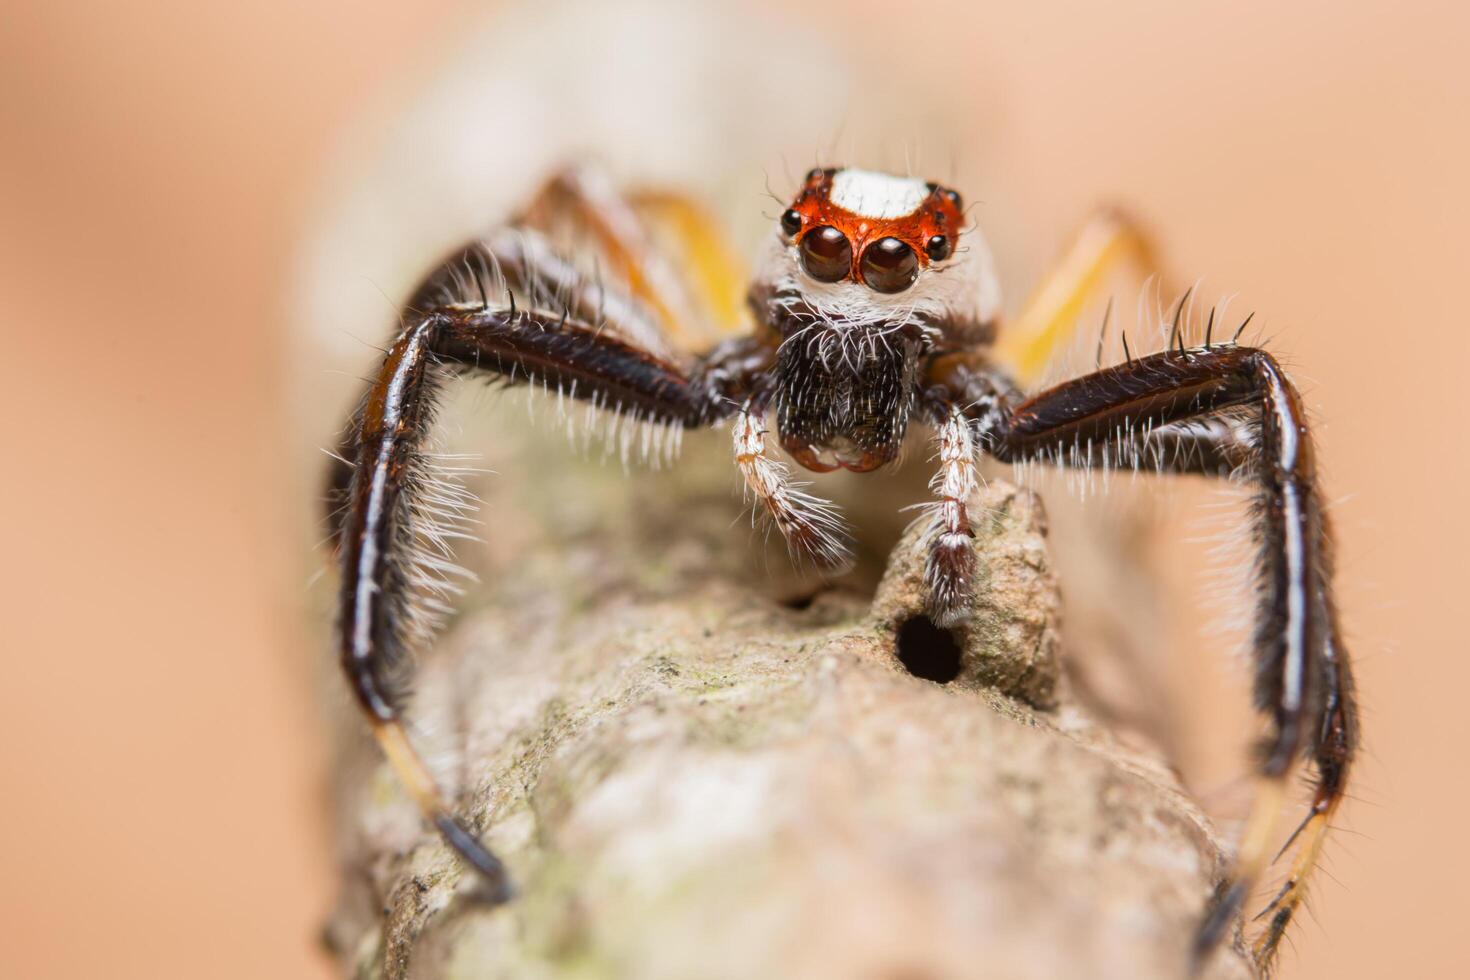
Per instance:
(1303,677)
(388,516)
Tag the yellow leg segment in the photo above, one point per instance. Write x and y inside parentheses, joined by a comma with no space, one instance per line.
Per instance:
(1105,243)
(693,285)
(715,273)
(1255,844)
(1251,860)
(410,768)
(1312,835)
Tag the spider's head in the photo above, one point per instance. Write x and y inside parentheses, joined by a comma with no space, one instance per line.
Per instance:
(862,249)
(866,274)
(870,228)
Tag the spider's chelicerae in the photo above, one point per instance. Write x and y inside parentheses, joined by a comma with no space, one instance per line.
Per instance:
(875,308)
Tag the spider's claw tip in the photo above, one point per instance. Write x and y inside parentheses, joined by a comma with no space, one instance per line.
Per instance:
(1217,920)
(493,885)
(489,893)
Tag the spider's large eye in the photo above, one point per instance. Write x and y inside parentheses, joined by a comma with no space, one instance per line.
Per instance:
(826,254)
(889,266)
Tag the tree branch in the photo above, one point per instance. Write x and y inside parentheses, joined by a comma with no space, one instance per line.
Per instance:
(690,778)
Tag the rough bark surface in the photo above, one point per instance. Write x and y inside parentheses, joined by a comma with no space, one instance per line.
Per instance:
(693,779)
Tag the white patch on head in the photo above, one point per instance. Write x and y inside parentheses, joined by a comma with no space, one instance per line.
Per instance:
(873,195)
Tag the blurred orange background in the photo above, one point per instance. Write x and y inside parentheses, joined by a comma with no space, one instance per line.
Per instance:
(162,761)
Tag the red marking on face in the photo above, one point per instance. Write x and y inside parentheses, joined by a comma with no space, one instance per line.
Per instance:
(931,232)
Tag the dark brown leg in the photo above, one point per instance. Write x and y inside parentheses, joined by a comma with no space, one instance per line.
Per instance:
(520,263)
(1303,678)
(525,261)
(384,523)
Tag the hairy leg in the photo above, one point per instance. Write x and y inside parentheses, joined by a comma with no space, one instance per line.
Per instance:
(507,267)
(388,518)
(1303,678)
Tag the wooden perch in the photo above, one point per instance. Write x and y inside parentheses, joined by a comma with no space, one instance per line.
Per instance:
(692,779)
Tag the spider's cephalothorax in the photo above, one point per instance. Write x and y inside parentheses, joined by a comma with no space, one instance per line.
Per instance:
(875,310)
(863,282)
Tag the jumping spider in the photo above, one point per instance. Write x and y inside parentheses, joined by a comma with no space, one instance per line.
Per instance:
(874,306)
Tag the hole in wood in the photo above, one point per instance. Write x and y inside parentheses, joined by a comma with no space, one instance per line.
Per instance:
(927,651)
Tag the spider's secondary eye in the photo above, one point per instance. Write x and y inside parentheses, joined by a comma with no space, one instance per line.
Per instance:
(889,266)
(938,248)
(791,222)
(826,254)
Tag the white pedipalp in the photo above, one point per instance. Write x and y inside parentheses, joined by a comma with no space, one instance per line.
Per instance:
(813,527)
(949,571)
